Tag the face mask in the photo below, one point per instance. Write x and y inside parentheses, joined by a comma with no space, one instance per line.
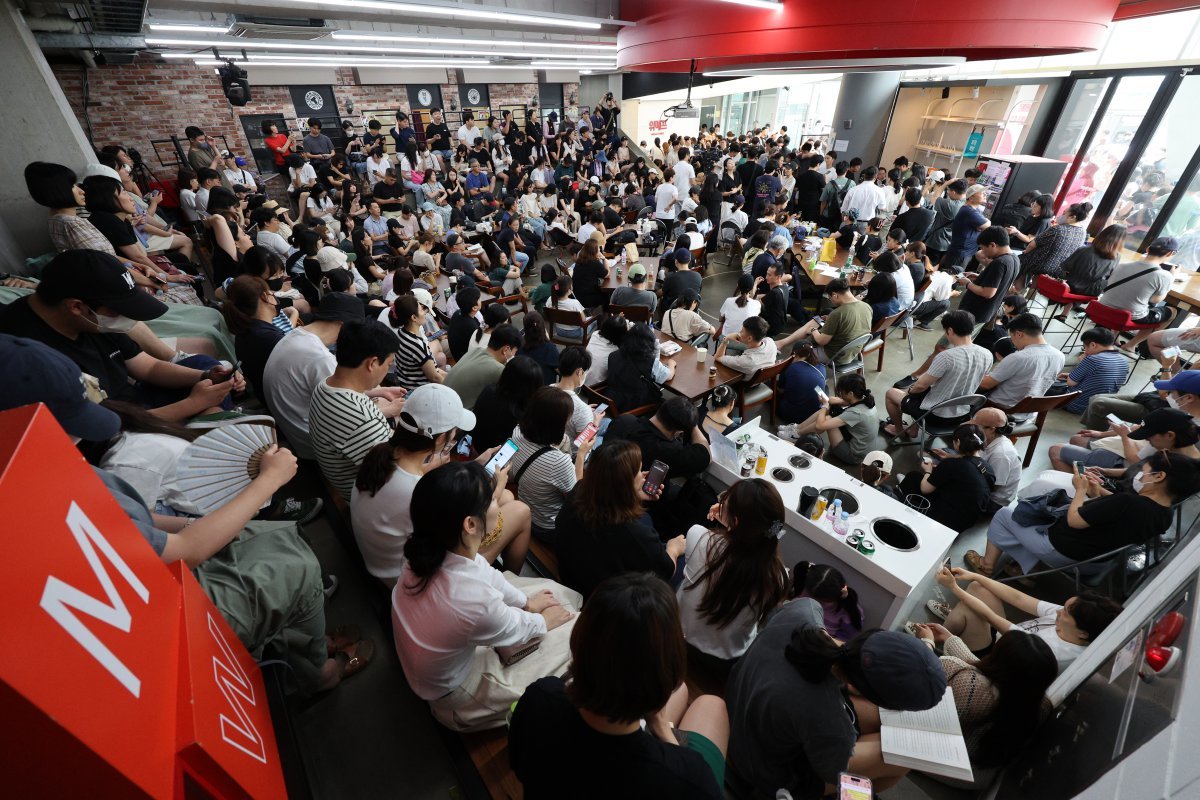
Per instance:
(1173,401)
(117,324)
(1138,482)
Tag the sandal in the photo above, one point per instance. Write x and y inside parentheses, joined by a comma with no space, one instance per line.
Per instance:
(910,628)
(358,655)
(938,609)
(974,562)
(889,429)
(343,637)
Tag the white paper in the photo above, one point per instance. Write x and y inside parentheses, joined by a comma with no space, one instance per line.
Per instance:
(942,718)
(1125,657)
(841,145)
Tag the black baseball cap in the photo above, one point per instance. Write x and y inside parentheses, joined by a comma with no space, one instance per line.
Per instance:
(1168,420)
(901,671)
(101,281)
(340,307)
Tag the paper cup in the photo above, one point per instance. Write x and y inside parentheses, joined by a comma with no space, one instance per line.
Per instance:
(702,354)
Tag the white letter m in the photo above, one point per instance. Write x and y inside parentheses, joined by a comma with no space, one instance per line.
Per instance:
(61,600)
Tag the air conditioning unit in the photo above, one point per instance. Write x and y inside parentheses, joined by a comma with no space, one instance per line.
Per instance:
(258,27)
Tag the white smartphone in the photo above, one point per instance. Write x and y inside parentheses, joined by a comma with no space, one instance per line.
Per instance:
(824,398)
(854,787)
(1115,420)
(502,457)
(600,409)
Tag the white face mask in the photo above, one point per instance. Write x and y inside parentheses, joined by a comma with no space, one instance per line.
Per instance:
(117,324)
(1173,401)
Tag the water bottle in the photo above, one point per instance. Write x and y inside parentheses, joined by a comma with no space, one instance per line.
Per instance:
(835,511)
(842,524)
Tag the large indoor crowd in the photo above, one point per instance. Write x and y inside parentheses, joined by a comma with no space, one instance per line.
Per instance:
(459,336)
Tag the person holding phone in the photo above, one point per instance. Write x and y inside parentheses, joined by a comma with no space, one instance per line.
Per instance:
(452,611)
(424,438)
(603,528)
(545,476)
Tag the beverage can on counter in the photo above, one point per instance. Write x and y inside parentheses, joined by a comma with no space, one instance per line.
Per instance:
(866,547)
(712,372)
(760,465)
(748,466)
(819,508)
(853,541)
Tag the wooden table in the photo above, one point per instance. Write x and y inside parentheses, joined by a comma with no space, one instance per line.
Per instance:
(1186,297)
(858,280)
(612,282)
(691,375)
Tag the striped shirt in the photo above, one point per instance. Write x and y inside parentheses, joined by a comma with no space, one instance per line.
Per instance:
(343,425)
(1099,373)
(546,483)
(411,355)
(282,322)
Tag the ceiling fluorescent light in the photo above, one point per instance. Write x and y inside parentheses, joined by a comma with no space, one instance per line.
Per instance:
(774,5)
(461,12)
(179,27)
(241,44)
(568,65)
(335,59)
(209,61)
(383,37)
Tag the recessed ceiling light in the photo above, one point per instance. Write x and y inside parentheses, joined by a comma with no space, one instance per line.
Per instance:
(179,27)
(461,12)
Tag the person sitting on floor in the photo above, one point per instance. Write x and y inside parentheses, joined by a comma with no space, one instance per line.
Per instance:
(843,615)
(958,487)
(451,610)
(668,746)
(977,617)
(848,419)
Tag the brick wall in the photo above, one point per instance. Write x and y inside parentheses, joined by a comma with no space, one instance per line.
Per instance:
(152,99)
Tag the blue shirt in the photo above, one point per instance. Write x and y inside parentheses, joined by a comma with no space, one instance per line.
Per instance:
(1100,373)
(964,237)
(480,181)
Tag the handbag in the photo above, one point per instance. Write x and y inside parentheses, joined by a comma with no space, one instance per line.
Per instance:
(510,654)
(1043,510)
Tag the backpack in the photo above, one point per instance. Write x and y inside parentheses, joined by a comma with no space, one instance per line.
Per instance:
(841,192)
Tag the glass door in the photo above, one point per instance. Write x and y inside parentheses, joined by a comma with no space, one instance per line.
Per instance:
(1074,122)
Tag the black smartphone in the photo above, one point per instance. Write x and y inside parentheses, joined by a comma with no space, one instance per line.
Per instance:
(655,478)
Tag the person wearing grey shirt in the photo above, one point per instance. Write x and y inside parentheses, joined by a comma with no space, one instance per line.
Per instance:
(636,293)
(317,145)
(1027,372)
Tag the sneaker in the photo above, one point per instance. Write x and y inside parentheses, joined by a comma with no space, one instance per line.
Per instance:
(904,382)
(910,628)
(938,609)
(329,585)
(923,326)
(290,509)
(222,418)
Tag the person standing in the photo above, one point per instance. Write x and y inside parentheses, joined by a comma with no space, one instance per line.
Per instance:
(968,223)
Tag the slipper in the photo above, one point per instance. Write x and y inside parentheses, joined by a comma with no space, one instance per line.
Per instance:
(974,562)
(358,656)
(938,609)
(889,429)
(344,636)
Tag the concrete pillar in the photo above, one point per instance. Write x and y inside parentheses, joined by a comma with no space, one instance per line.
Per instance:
(38,126)
(865,102)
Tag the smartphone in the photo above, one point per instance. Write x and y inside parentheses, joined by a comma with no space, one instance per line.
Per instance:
(600,409)
(854,787)
(655,478)
(1079,467)
(819,320)
(500,460)
(222,372)
(1115,420)
(824,398)
(587,434)
(946,563)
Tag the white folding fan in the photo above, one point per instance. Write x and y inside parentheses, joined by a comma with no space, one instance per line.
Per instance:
(221,463)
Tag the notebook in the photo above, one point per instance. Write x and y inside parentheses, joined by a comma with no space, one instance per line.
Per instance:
(929,741)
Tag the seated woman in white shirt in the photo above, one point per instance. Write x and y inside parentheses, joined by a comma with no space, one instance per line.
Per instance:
(450,609)
(319,206)
(739,308)
(377,165)
(379,504)
(733,577)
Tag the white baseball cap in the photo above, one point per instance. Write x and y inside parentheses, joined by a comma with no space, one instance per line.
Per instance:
(433,409)
(99,170)
(424,298)
(331,258)
(879,459)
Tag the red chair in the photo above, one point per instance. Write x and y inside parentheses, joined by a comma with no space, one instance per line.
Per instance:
(1059,295)
(1119,320)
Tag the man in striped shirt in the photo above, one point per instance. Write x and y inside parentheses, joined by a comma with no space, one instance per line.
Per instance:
(1101,371)
(344,423)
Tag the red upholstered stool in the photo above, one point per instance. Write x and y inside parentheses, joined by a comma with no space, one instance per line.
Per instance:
(1059,295)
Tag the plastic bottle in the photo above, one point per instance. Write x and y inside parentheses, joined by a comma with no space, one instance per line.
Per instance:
(842,524)
(835,511)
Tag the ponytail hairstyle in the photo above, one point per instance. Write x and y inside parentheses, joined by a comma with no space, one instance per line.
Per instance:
(969,439)
(404,308)
(745,285)
(442,502)
(560,290)
(379,463)
(743,569)
(242,297)
(875,224)
(825,584)
(814,654)
(854,384)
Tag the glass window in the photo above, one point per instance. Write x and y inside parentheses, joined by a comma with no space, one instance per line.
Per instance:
(1121,120)
(1076,118)
(1184,225)
(1160,168)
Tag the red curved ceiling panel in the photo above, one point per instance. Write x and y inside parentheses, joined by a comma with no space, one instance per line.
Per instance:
(669,33)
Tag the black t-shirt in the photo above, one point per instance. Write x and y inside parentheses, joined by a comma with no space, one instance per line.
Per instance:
(774,310)
(999,274)
(505,237)
(253,349)
(556,754)
(459,330)
(118,231)
(1113,521)
(612,218)
(679,282)
(915,223)
(587,556)
(963,486)
(434,129)
(101,355)
(809,185)
(586,279)
(383,191)
(682,455)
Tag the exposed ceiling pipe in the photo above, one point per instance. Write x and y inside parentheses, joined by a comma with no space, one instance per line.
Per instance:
(56,24)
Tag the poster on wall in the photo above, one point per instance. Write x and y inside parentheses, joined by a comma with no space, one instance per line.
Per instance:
(314,101)
(422,95)
(474,97)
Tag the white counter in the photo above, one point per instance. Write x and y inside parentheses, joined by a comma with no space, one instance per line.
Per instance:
(883,580)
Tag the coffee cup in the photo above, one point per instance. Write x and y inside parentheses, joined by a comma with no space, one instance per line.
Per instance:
(702,354)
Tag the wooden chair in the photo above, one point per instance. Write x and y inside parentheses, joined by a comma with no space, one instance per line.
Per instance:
(761,387)
(631,313)
(729,234)
(879,337)
(1041,408)
(595,394)
(568,319)
(509,301)
(700,259)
